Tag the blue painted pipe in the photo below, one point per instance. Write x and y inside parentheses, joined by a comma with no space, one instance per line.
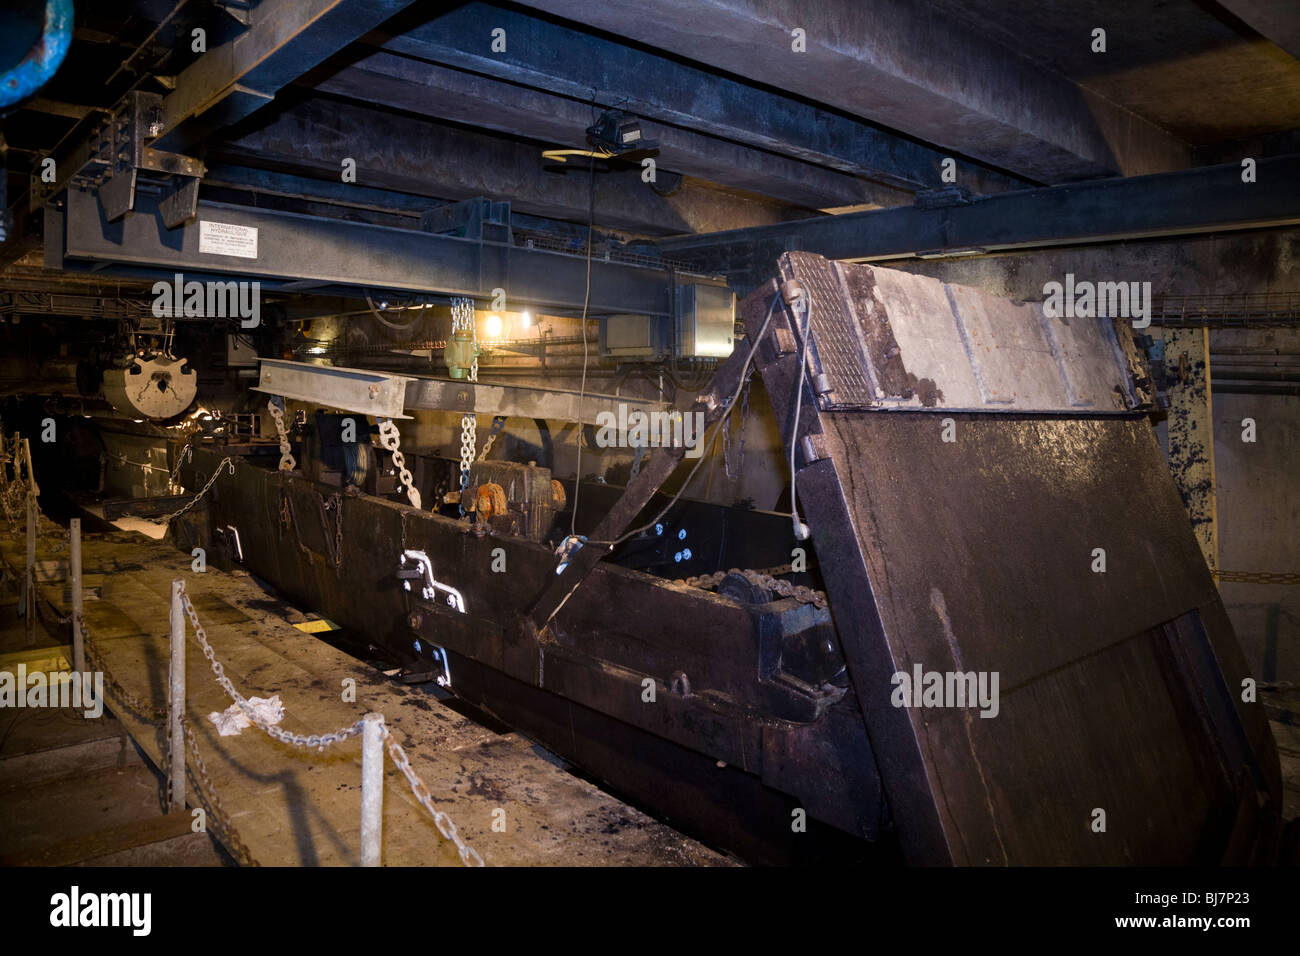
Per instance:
(43,59)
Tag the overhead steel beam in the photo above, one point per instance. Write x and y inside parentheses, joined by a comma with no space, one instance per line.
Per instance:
(401,153)
(452,94)
(1188,202)
(545,56)
(521,401)
(284,40)
(345,256)
(1275,20)
(906,66)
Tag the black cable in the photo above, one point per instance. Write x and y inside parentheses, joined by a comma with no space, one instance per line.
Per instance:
(582,330)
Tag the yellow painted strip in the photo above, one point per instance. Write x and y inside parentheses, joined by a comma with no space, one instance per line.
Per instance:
(317,626)
(44,659)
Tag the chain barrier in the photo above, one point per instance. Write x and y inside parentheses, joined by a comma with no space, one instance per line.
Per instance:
(468,855)
(390,439)
(228,463)
(276,406)
(765,578)
(312,741)
(1259,577)
(204,786)
(446,826)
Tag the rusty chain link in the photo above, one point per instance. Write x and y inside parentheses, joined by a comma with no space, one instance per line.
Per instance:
(764,578)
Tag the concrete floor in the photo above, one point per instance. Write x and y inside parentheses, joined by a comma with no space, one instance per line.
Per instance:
(290,806)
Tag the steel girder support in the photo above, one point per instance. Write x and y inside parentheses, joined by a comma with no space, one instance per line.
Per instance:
(349,256)
(1187,202)
(284,40)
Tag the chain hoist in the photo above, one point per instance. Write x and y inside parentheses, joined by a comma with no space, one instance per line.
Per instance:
(390,439)
(462,319)
(276,406)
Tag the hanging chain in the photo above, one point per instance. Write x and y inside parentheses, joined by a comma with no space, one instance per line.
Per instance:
(185,454)
(498,423)
(765,578)
(227,462)
(276,407)
(462,317)
(389,438)
(335,546)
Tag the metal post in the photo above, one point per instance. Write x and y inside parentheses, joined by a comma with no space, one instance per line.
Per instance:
(74,577)
(372,788)
(176,702)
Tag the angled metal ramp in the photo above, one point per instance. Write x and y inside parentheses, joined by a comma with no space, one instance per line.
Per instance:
(1120,735)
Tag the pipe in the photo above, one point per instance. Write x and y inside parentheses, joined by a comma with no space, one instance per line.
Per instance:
(43,59)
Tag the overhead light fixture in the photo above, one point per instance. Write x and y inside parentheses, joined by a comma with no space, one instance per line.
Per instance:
(526,318)
(493,326)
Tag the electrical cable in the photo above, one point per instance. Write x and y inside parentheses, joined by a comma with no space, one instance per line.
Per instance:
(801,530)
(395,326)
(582,330)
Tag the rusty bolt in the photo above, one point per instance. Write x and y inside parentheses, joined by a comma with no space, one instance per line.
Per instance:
(414,620)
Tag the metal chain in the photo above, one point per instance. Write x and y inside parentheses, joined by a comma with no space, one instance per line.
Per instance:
(333,503)
(498,423)
(446,826)
(765,578)
(185,454)
(444,823)
(238,849)
(312,741)
(462,317)
(205,788)
(1258,577)
(227,461)
(276,406)
(389,438)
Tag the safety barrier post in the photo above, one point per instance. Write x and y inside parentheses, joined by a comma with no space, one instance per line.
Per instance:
(372,788)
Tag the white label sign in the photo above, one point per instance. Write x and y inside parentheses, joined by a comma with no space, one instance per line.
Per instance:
(227,239)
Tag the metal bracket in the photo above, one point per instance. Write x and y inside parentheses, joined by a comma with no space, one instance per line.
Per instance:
(430,587)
